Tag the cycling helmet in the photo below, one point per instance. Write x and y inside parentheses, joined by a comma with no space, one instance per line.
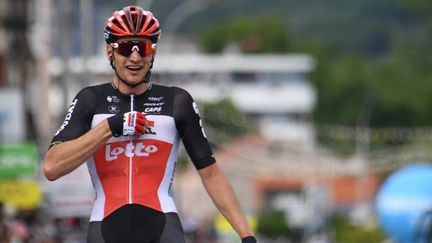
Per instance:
(131,21)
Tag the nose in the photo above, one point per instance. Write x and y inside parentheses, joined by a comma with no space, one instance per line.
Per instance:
(135,56)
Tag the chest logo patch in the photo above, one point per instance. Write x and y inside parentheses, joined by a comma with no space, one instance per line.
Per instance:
(113,109)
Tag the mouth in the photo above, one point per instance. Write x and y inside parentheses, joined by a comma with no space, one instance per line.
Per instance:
(134,68)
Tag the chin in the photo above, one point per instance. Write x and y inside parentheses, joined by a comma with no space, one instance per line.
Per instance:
(135,79)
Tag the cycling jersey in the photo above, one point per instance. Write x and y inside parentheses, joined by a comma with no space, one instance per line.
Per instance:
(137,170)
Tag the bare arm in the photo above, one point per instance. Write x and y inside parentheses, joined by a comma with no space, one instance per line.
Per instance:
(65,157)
(224,198)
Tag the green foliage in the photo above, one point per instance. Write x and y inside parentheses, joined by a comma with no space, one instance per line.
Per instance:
(403,84)
(253,34)
(343,87)
(272,223)
(346,232)
(387,85)
(422,6)
(224,121)
(356,27)
(214,41)
(397,87)
(403,96)
(366,74)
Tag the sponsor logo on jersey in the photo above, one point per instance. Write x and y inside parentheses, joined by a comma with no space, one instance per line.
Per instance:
(195,107)
(113,109)
(112,152)
(152,109)
(113,98)
(68,117)
(158,99)
(148,130)
(154,104)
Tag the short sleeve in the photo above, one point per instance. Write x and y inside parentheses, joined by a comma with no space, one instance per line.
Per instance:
(78,118)
(189,126)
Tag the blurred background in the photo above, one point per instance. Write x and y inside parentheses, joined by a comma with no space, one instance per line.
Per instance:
(317,111)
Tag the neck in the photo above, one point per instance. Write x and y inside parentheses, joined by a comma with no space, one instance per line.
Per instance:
(126,89)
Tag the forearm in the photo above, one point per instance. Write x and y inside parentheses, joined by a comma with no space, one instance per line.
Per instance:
(65,157)
(225,199)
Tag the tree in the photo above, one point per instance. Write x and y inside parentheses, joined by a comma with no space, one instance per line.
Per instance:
(224,121)
(272,223)
(265,33)
(342,88)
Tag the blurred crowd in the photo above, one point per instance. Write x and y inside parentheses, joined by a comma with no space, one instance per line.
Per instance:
(35,226)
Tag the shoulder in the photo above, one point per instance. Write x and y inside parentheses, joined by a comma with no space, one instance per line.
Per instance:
(181,93)
(90,95)
(176,92)
(161,87)
(100,88)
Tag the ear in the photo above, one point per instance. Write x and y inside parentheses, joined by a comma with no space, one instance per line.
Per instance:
(109,51)
(153,49)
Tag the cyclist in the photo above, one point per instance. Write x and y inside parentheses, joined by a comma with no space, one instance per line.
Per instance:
(128,133)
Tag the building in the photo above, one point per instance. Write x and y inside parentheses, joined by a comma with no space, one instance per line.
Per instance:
(273,90)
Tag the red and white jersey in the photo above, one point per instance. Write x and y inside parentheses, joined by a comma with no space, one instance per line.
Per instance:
(137,170)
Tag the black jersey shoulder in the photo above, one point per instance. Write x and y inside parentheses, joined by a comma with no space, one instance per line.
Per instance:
(79,116)
(167,100)
(164,100)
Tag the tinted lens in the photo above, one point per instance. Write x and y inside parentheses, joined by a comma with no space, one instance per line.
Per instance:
(126,48)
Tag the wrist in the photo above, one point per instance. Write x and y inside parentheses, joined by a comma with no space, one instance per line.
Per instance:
(249,239)
(116,125)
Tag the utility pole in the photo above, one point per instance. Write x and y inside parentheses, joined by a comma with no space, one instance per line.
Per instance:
(86,7)
(19,57)
(2,45)
(361,158)
(44,26)
(65,45)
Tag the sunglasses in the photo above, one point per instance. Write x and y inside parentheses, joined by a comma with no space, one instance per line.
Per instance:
(125,48)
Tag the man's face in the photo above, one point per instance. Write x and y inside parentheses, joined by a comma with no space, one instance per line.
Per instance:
(132,58)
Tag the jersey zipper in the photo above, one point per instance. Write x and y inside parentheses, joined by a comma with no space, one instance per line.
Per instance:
(130,158)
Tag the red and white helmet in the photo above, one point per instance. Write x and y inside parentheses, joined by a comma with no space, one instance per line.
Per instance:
(131,21)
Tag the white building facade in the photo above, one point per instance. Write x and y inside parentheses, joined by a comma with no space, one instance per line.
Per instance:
(272,89)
